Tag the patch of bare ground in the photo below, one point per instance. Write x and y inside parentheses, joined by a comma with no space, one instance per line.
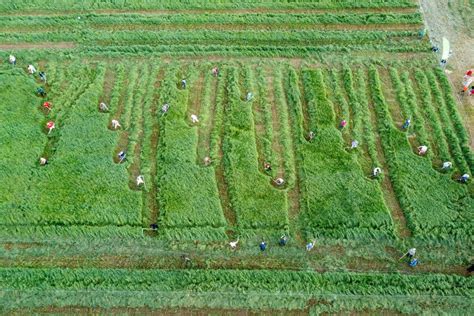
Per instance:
(44,45)
(80,310)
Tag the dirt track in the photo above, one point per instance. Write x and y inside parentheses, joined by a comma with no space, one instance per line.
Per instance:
(443,20)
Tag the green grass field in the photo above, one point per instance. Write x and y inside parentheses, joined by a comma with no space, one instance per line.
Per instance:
(76,233)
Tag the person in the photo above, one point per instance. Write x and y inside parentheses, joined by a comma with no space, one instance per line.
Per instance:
(342,124)
(406,124)
(410,253)
(103,107)
(471,92)
(31,69)
(115,124)
(165,108)
(154,226)
(233,244)
(470,269)
(267,166)
(50,125)
(183,83)
(354,144)
(42,76)
(422,150)
(140,180)
(435,49)
(47,105)
(422,33)
(464,178)
(443,62)
(215,71)
(249,96)
(263,246)
(376,172)
(207,161)
(446,165)
(283,240)
(413,262)
(194,118)
(186,260)
(43,161)
(121,156)
(12,60)
(466,82)
(41,92)
(310,245)
(311,135)
(279,181)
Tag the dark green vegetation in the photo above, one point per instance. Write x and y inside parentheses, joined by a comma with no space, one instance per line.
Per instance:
(76,232)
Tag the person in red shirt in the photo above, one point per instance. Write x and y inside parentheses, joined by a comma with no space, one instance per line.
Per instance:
(342,124)
(50,126)
(47,105)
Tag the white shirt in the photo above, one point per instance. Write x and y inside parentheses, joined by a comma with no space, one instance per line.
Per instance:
(354,144)
(412,251)
(447,164)
(31,69)
(422,149)
(194,118)
(12,59)
(115,123)
(377,171)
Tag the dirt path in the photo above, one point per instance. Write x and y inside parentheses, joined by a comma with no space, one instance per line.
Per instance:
(276,141)
(46,45)
(155,135)
(442,20)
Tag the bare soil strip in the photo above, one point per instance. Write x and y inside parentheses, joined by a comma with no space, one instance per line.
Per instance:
(276,141)
(229,213)
(204,144)
(45,45)
(153,192)
(194,106)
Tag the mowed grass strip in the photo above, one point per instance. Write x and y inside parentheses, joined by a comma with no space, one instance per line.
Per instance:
(338,200)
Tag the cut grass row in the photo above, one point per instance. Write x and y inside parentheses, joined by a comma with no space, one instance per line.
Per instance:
(160,288)
(94,20)
(198,36)
(257,204)
(349,205)
(433,205)
(67,5)
(187,195)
